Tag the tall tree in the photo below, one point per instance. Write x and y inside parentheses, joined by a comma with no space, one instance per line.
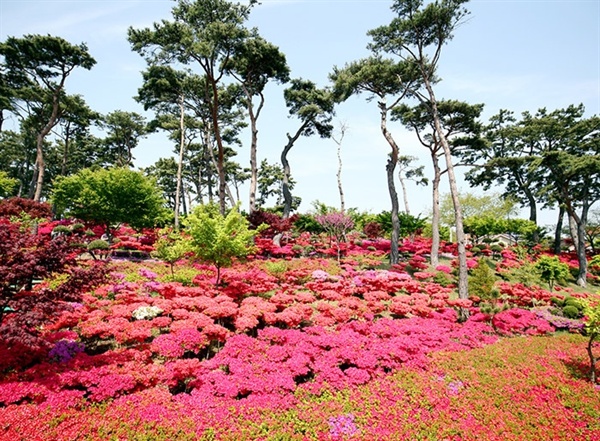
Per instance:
(71,132)
(37,68)
(164,90)
(569,160)
(460,126)
(206,32)
(124,131)
(381,79)
(417,35)
(253,65)
(314,108)
(504,159)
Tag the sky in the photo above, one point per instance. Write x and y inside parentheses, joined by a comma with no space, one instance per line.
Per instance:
(519,55)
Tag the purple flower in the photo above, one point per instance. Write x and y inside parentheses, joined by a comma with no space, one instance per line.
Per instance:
(65,350)
(454,387)
(145,272)
(342,425)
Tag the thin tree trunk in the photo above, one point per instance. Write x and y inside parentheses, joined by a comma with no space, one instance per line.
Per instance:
(590,352)
(253,149)
(573,232)
(558,230)
(390,167)
(435,212)
(463,289)
(404,192)
(581,250)
(339,171)
(285,185)
(220,148)
(180,162)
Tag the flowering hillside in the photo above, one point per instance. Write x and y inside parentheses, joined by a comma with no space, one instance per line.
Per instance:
(303,348)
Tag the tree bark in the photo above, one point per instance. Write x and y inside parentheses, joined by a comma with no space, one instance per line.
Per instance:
(435,212)
(39,160)
(463,289)
(180,162)
(390,167)
(558,231)
(220,148)
(404,192)
(285,186)
(253,149)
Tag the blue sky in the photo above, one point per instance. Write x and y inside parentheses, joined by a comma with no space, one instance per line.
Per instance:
(519,55)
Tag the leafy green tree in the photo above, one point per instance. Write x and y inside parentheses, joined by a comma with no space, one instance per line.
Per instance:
(76,147)
(552,270)
(270,184)
(482,280)
(571,171)
(314,108)
(124,131)
(164,172)
(383,80)
(504,159)
(110,198)
(416,36)
(206,32)
(485,205)
(218,239)
(36,68)
(170,247)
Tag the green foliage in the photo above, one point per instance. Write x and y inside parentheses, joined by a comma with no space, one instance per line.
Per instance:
(525,273)
(110,197)
(218,239)
(443,279)
(592,328)
(308,223)
(571,312)
(482,280)
(552,270)
(7,184)
(96,246)
(488,206)
(170,247)
(444,231)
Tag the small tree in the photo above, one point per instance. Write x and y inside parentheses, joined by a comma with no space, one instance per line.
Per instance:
(552,270)
(592,329)
(336,224)
(170,248)
(218,239)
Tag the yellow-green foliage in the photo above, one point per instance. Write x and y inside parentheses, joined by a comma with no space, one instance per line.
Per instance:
(218,239)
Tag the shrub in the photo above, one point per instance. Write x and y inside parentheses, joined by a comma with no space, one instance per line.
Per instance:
(307,223)
(373,230)
(482,280)
(571,312)
(217,239)
(15,207)
(552,270)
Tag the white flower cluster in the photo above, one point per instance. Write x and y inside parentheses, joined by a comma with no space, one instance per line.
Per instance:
(146,312)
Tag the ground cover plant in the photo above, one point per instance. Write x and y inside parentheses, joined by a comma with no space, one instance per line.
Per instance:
(307,340)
